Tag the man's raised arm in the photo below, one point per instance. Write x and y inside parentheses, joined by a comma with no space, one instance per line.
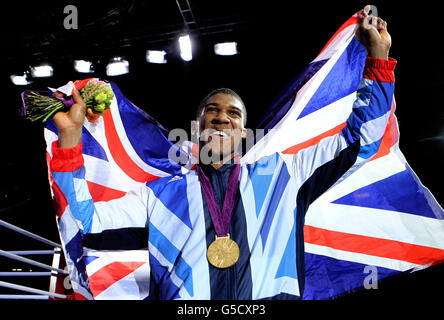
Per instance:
(318,167)
(71,189)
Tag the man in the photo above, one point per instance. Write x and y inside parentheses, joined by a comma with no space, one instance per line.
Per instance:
(222,118)
(231,230)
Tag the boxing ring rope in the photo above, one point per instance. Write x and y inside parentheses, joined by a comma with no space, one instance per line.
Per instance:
(29,261)
(42,294)
(53,271)
(29,234)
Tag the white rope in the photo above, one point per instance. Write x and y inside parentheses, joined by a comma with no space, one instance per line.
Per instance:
(23,296)
(32,262)
(32,290)
(29,234)
(24,274)
(31,252)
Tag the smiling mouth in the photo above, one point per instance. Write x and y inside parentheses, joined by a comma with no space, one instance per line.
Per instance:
(219,134)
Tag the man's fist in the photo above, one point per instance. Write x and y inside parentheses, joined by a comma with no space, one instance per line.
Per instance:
(372,33)
(70,123)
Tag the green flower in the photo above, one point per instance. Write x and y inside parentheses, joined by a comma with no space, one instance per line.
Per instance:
(101,97)
(100,107)
(109,94)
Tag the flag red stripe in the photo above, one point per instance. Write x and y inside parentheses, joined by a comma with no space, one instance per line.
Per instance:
(119,154)
(311,142)
(59,200)
(102,193)
(393,124)
(391,249)
(390,137)
(109,274)
(386,143)
(349,22)
(77,296)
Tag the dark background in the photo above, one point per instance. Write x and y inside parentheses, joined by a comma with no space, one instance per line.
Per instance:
(276,40)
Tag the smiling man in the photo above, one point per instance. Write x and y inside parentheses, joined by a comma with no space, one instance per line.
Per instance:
(222,117)
(229,229)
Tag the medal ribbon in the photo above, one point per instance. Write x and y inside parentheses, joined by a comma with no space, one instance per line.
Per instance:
(221,220)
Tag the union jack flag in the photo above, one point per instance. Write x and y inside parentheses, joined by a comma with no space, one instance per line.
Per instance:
(379,215)
(122,151)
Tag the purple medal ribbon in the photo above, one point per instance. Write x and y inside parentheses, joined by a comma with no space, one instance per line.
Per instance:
(221,220)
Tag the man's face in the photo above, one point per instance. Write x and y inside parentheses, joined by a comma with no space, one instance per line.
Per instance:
(221,125)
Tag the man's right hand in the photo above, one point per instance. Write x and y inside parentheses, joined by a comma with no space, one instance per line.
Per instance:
(70,123)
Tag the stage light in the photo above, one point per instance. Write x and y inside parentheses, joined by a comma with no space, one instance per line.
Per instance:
(83,66)
(156,56)
(20,80)
(185,48)
(42,71)
(117,67)
(226,48)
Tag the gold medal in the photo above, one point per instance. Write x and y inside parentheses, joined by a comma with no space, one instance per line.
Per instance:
(223,252)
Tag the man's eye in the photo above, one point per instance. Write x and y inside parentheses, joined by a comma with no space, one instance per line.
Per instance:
(235,113)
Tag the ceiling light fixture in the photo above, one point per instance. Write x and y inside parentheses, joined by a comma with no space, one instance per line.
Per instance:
(42,71)
(226,48)
(20,80)
(156,56)
(185,48)
(117,66)
(83,66)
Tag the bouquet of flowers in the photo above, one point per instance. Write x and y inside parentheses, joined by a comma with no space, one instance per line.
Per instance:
(97,95)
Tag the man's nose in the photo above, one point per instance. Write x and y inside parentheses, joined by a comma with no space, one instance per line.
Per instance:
(220,118)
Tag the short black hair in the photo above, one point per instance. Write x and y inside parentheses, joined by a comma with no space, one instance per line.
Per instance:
(225,91)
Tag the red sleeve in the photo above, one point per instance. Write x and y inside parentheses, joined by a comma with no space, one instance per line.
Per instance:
(66,159)
(380,69)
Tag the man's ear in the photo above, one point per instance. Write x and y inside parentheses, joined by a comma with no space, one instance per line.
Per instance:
(201,123)
(244,133)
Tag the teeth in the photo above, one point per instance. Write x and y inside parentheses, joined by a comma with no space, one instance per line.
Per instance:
(220,133)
